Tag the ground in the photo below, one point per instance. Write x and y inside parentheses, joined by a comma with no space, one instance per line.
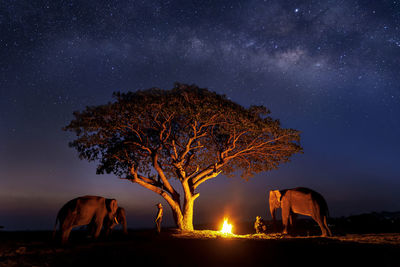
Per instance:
(201,248)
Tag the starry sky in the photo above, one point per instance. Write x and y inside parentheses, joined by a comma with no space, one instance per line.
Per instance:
(330,69)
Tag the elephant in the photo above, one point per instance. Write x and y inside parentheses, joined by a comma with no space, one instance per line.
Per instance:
(85,210)
(302,201)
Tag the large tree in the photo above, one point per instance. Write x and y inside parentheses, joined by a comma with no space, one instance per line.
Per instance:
(187,133)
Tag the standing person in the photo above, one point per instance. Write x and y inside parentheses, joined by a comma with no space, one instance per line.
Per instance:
(159,217)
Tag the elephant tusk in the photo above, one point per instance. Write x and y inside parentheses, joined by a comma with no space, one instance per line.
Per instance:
(115,218)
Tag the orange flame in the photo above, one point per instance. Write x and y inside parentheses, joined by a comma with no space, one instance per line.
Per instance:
(226,227)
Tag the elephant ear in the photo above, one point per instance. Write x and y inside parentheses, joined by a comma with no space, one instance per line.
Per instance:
(112,205)
(278,195)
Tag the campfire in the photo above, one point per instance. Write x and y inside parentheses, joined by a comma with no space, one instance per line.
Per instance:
(225,232)
(226,227)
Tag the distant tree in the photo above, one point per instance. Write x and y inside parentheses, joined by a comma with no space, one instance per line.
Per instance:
(187,133)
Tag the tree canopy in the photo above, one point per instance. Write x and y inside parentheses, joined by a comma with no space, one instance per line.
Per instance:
(187,133)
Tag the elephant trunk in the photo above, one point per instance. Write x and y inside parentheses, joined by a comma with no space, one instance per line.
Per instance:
(274,203)
(124,226)
(272,209)
(121,214)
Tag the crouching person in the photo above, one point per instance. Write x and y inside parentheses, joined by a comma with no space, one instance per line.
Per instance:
(259,225)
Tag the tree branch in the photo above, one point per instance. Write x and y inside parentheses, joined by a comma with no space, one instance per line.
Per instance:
(139,145)
(195,196)
(139,180)
(164,179)
(206,171)
(205,178)
(253,147)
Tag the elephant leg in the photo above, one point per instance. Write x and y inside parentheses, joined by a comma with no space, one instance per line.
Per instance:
(97,233)
(316,215)
(292,218)
(326,227)
(285,218)
(108,230)
(65,234)
(66,227)
(90,229)
(321,225)
(98,226)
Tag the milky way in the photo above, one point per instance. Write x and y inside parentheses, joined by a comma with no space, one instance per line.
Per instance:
(328,68)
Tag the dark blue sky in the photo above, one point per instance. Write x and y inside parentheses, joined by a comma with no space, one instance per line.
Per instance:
(327,68)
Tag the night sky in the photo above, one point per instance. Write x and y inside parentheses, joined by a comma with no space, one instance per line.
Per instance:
(330,69)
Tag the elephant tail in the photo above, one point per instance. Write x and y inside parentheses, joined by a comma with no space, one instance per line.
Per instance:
(55,227)
(325,208)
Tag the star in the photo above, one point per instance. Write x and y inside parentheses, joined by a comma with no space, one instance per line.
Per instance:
(310,62)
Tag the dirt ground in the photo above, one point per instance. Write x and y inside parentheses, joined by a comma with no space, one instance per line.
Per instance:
(201,248)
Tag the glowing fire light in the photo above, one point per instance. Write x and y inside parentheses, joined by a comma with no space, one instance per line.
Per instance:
(226,227)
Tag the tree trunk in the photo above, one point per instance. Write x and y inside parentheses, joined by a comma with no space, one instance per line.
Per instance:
(177,214)
(187,212)
(187,223)
(184,221)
